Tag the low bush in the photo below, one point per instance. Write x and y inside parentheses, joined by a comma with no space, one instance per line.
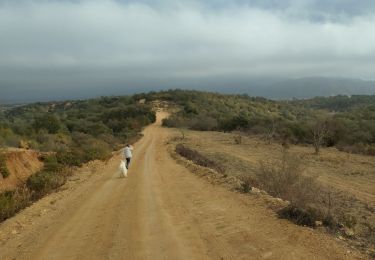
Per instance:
(285,179)
(301,216)
(96,149)
(8,137)
(11,141)
(6,204)
(247,182)
(348,220)
(330,221)
(48,122)
(198,158)
(52,176)
(13,201)
(73,157)
(89,148)
(238,139)
(3,167)
(44,182)
(203,123)
(174,121)
(51,164)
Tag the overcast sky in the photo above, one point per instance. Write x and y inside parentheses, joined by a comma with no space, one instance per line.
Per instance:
(51,48)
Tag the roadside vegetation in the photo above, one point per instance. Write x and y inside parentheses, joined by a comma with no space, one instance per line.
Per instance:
(4,172)
(69,133)
(198,158)
(347,123)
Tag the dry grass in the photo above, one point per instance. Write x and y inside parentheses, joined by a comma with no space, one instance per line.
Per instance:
(4,171)
(13,201)
(284,179)
(198,158)
(345,181)
(247,182)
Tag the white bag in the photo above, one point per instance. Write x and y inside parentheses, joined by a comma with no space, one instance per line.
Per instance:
(123,170)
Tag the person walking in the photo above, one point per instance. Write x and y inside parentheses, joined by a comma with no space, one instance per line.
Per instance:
(128,154)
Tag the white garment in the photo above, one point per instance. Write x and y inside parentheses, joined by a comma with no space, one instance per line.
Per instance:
(128,151)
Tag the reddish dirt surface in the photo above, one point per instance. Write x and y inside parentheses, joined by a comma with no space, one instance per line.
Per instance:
(21,164)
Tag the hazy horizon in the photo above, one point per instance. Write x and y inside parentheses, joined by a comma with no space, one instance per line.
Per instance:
(79,48)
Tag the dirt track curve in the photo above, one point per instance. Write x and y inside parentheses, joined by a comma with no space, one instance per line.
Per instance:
(161,211)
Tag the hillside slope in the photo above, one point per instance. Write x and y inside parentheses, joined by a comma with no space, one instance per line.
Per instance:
(315,86)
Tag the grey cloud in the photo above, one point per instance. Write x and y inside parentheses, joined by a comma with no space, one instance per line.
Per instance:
(319,9)
(59,45)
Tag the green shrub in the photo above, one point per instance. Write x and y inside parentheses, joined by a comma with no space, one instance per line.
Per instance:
(52,142)
(4,171)
(12,140)
(13,201)
(89,149)
(51,164)
(6,204)
(73,157)
(48,122)
(38,181)
(44,182)
(52,176)
(96,150)
(174,121)
(330,221)
(245,187)
(204,123)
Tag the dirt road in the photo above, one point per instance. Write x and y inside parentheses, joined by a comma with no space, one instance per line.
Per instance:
(161,211)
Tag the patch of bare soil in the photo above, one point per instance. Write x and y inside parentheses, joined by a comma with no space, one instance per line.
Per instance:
(21,163)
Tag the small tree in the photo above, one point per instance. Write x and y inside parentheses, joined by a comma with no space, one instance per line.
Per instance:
(48,122)
(284,178)
(3,166)
(238,139)
(238,136)
(319,131)
(271,131)
(182,132)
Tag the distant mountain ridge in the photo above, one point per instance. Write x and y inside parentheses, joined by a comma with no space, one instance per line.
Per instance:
(272,88)
(314,87)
